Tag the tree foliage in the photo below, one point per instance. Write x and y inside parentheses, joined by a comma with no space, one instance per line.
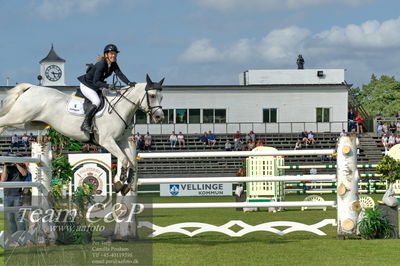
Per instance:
(389,168)
(381,94)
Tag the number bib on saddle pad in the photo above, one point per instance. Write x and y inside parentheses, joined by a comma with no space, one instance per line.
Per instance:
(75,106)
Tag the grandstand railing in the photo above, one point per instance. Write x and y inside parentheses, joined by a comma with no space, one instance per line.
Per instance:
(243,127)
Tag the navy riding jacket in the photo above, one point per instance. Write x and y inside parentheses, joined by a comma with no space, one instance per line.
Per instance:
(95,76)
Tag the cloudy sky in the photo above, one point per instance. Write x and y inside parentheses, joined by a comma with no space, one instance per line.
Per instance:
(193,42)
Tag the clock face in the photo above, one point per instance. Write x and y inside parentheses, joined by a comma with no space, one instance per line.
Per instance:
(53,73)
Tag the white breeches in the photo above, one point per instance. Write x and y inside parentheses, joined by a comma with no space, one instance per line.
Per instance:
(90,94)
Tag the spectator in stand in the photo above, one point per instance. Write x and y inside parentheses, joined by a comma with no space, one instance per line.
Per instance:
(384,140)
(173,139)
(211,139)
(398,126)
(14,142)
(31,138)
(378,116)
(260,143)
(385,128)
(228,145)
(203,138)
(304,137)
(310,137)
(137,137)
(343,133)
(147,141)
(237,144)
(25,142)
(397,139)
(248,138)
(298,145)
(379,129)
(252,136)
(181,139)
(392,127)
(351,116)
(250,144)
(140,144)
(391,140)
(359,120)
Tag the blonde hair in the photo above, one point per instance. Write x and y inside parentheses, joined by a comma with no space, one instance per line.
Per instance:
(100,57)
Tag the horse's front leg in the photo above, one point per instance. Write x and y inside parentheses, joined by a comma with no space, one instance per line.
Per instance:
(128,146)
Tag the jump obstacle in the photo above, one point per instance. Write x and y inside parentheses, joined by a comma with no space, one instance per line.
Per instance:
(346,180)
(40,168)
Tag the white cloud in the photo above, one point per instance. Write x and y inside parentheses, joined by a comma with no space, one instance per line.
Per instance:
(281,46)
(230,5)
(201,51)
(370,34)
(57,9)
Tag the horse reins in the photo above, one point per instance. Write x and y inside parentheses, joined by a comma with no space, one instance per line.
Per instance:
(111,106)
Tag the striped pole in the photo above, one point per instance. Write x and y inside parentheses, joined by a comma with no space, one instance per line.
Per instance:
(240,204)
(371,175)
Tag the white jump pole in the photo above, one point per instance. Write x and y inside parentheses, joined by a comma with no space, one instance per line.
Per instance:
(6,159)
(348,205)
(42,173)
(175,180)
(154,155)
(240,204)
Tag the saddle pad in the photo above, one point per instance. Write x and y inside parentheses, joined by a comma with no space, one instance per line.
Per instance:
(75,106)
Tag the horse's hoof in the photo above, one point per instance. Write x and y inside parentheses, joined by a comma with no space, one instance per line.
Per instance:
(118,186)
(125,190)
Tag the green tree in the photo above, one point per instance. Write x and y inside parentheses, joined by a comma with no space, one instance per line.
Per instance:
(381,94)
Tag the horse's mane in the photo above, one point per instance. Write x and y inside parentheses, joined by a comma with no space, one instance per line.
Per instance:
(12,96)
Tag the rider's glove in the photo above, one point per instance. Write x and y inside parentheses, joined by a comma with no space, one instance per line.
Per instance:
(132,84)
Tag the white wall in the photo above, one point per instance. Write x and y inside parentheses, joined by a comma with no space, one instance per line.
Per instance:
(292,76)
(246,103)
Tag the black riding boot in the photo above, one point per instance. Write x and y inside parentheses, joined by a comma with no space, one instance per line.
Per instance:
(87,123)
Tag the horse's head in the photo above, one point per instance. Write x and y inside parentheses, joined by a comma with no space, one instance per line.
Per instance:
(151,101)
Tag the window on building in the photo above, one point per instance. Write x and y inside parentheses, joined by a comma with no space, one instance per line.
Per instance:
(194,116)
(140,117)
(270,115)
(323,114)
(168,116)
(181,116)
(220,116)
(208,115)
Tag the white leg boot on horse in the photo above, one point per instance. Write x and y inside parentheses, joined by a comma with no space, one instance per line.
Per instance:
(128,147)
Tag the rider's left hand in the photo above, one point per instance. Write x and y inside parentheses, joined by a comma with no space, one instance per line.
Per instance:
(132,84)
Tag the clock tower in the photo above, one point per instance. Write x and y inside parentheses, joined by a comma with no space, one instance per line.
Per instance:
(52,69)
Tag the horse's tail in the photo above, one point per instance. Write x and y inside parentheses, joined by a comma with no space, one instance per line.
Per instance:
(12,96)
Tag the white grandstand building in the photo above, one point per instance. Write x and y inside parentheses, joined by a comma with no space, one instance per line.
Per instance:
(266,101)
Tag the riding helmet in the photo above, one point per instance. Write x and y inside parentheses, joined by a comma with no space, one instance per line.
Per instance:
(111,48)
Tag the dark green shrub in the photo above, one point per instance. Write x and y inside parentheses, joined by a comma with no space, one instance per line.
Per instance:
(374,225)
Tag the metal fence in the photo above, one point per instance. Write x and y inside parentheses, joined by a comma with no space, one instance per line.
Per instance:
(232,127)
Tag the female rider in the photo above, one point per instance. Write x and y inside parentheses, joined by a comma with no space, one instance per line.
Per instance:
(93,82)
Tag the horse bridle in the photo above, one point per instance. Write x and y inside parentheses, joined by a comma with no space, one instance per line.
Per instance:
(149,110)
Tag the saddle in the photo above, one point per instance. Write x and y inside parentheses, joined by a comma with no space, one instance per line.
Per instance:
(77,104)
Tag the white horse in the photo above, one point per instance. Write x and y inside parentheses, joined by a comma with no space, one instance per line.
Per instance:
(34,107)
